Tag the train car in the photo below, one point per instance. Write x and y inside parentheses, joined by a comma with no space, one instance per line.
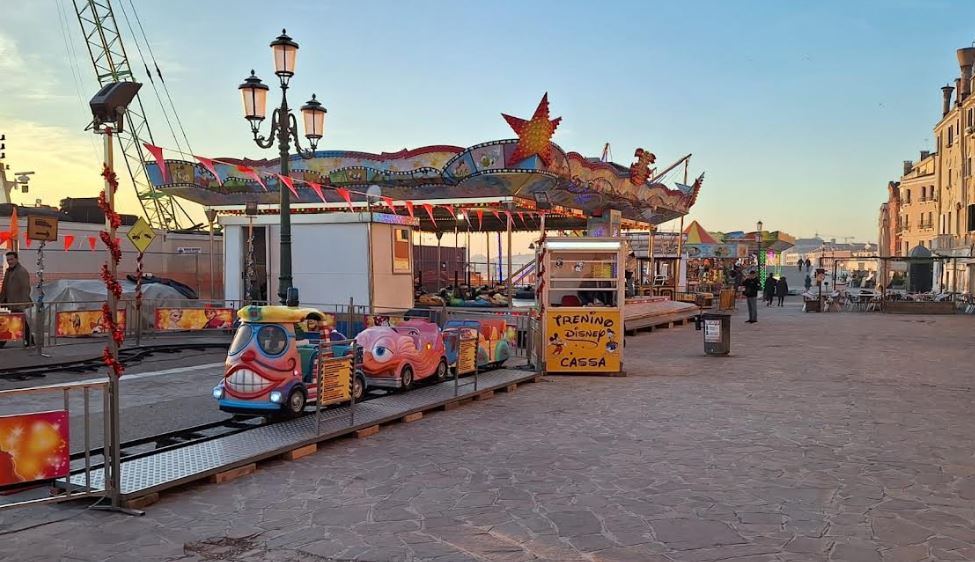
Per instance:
(397,357)
(493,346)
(272,363)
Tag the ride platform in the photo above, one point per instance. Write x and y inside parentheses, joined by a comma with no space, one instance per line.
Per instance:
(215,459)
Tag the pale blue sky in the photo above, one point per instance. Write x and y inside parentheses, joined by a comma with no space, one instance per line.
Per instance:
(799,112)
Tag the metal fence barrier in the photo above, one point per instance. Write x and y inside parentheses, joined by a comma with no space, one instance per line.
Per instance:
(61,488)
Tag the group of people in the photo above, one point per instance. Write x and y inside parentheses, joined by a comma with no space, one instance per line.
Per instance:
(804,262)
(773,289)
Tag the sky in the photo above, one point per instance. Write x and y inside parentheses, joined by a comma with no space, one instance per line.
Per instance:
(799,113)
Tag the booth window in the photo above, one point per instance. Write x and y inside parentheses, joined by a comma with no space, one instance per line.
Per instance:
(402,250)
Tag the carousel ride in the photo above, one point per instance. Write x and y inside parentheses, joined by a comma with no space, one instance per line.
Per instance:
(524,184)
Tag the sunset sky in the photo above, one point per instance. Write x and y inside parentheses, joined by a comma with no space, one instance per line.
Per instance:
(798,112)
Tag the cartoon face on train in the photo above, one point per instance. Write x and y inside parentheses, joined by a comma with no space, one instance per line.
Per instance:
(260,359)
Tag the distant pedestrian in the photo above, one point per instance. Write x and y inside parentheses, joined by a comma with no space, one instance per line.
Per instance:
(808,282)
(752,286)
(782,290)
(768,292)
(800,263)
(15,292)
(808,264)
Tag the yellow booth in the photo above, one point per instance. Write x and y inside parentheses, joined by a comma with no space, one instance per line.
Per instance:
(581,300)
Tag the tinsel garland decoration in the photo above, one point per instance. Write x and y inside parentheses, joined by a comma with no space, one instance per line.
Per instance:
(114,220)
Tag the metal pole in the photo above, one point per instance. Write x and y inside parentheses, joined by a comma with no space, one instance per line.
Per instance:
(211,214)
(284,132)
(249,281)
(510,286)
(115,481)
(39,313)
(487,253)
(680,252)
(439,235)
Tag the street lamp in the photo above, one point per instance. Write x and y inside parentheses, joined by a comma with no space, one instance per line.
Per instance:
(284,129)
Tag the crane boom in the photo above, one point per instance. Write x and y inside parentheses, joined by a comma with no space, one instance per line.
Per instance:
(111,64)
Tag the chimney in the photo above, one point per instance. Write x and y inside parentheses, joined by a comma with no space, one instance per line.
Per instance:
(925,154)
(908,166)
(966,58)
(958,92)
(946,104)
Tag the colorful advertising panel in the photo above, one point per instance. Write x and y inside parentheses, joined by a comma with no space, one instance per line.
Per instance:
(467,354)
(34,447)
(583,341)
(79,323)
(173,319)
(11,327)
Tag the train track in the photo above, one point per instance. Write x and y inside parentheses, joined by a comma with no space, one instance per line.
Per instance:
(128,356)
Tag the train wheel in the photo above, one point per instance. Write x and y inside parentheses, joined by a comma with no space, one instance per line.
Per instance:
(442,370)
(296,403)
(358,388)
(406,377)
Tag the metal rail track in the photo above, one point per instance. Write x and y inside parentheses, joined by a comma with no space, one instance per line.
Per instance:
(128,356)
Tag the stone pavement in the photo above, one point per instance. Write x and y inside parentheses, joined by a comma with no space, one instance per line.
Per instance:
(824,437)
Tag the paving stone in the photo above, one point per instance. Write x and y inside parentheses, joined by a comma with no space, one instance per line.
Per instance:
(854,553)
(575,523)
(686,534)
(896,531)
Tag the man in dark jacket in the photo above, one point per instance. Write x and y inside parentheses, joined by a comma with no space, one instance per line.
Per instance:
(15,291)
(781,290)
(752,286)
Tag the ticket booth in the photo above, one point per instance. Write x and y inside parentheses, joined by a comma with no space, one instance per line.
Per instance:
(582,296)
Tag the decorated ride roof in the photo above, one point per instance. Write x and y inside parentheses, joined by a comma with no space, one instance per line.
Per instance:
(276,314)
(510,168)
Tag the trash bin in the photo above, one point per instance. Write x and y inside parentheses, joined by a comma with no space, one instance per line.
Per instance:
(717,333)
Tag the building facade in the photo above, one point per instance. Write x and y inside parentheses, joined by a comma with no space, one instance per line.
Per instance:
(933,205)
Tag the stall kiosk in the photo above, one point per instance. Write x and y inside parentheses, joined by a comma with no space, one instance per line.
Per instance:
(581,300)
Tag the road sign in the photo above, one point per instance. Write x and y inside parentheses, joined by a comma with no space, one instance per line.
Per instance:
(141,235)
(42,228)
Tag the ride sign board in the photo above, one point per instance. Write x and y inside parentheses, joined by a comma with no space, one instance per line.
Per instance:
(467,355)
(583,340)
(141,235)
(11,326)
(42,229)
(334,380)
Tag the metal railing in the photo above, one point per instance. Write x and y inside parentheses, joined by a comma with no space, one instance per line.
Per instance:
(62,488)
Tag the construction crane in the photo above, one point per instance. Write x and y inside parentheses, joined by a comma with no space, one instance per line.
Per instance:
(108,56)
(607,154)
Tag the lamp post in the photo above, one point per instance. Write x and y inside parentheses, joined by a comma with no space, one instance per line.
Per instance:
(761,268)
(211,214)
(284,129)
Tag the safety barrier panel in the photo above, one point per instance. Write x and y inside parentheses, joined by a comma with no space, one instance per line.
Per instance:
(35,447)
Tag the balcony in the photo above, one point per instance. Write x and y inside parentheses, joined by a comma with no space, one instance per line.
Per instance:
(943,242)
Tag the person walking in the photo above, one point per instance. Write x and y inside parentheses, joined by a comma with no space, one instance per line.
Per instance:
(768,291)
(751,288)
(808,283)
(808,264)
(800,263)
(15,291)
(782,290)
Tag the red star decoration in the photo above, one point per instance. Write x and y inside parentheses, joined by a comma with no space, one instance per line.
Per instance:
(535,135)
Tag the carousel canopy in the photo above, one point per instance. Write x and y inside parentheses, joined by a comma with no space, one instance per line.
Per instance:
(523,175)
(695,234)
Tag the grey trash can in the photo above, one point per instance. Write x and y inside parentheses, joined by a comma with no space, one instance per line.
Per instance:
(717,333)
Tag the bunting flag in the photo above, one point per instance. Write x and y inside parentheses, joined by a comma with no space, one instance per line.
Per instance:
(509,219)
(345,195)
(288,182)
(157,153)
(92,242)
(209,165)
(409,208)
(68,241)
(317,188)
(480,219)
(496,215)
(450,209)
(27,241)
(249,172)
(389,203)
(521,217)
(5,237)
(429,209)
(467,218)
(13,234)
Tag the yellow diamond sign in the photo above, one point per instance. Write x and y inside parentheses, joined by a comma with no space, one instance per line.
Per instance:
(141,235)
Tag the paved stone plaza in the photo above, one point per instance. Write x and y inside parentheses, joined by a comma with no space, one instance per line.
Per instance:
(824,437)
